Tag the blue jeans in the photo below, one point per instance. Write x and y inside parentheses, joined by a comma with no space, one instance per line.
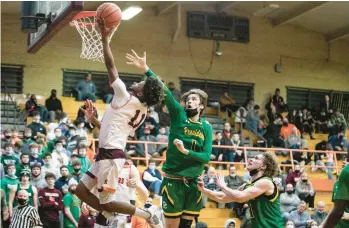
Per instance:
(84,96)
(155,187)
(107,98)
(294,146)
(329,170)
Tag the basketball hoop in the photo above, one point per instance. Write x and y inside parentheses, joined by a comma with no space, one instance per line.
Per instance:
(86,24)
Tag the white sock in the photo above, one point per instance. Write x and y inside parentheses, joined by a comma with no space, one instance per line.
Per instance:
(142,213)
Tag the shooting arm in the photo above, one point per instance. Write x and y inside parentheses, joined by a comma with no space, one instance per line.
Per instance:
(109,61)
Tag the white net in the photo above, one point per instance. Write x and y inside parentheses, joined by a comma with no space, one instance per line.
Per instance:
(92,47)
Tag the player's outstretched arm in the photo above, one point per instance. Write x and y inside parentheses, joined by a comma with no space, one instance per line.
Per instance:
(108,55)
(90,114)
(335,214)
(220,197)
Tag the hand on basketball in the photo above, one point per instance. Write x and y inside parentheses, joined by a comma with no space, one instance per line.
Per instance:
(89,112)
(139,62)
(102,28)
(220,181)
(179,144)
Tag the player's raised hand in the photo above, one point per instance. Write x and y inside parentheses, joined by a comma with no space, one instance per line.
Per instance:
(137,61)
(180,146)
(200,184)
(131,183)
(102,28)
(220,181)
(89,112)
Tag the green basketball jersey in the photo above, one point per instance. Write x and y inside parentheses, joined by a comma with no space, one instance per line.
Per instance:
(265,210)
(341,192)
(196,137)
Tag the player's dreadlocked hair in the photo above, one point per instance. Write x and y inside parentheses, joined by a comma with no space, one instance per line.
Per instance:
(271,164)
(202,94)
(153,92)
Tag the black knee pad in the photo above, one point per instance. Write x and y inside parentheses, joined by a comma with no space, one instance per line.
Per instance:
(185,223)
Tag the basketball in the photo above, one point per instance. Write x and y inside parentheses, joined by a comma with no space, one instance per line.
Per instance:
(111,14)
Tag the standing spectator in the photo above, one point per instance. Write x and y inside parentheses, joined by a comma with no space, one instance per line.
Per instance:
(59,155)
(273,131)
(209,180)
(32,105)
(338,142)
(86,89)
(240,117)
(10,180)
(83,160)
(7,138)
(288,202)
(36,126)
(48,167)
(51,144)
(175,92)
(51,131)
(140,149)
(4,215)
(320,214)
(253,119)
(327,106)
(62,182)
(76,172)
(8,156)
(300,217)
(294,176)
(305,191)
(18,149)
(50,203)
(25,215)
(15,138)
(287,128)
(37,179)
(164,116)
(279,102)
(293,140)
(81,131)
(321,122)
(152,178)
(71,205)
(27,140)
(217,153)
(34,155)
(54,107)
(227,132)
(23,185)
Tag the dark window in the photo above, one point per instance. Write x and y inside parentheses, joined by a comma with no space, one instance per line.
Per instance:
(72,77)
(12,79)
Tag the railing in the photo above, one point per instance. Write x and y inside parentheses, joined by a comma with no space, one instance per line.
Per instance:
(245,149)
(8,98)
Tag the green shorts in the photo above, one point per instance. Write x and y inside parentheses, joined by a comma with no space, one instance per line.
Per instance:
(179,198)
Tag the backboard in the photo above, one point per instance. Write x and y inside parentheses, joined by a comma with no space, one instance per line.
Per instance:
(60,12)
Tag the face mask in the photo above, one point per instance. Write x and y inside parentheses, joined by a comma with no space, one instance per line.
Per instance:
(290,226)
(48,163)
(305,181)
(77,170)
(320,212)
(35,152)
(59,149)
(254,172)
(233,175)
(53,94)
(27,136)
(152,167)
(72,191)
(58,134)
(9,151)
(191,112)
(147,205)
(340,137)
(82,153)
(290,192)
(36,120)
(11,173)
(81,125)
(7,136)
(285,124)
(147,133)
(22,201)
(72,133)
(297,171)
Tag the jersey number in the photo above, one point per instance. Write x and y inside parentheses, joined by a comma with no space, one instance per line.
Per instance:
(133,123)
(121,180)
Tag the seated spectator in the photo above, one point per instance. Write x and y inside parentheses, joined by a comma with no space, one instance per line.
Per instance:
(300,217)
(279,102)
(48,167)
(152,148)
(34,155)
(217,153)
(31,106)
(240,117)
(7,138)
(338,142)
(71,205)
(27,140)
(294,176)
(338,122)
(280,181)
(319,157)
(150,123)
(62,182)
(293,140)
(80,131)
(234,154)
(308,123)
(152,178)
(73,139)
(329,161)
(175,92)
(24,184)
(227,132)
(50,203)
(321,122)
(288,202)
(320,214)
(107,94)
(164,116)
(162,137)
(23,165)
(8,155)
(209,180)
(86,89)
(60,155)
(54,107)
(37,179)
(287,128)
(305,191)
(227,104)
(64,126)
(230,223)
(253,119)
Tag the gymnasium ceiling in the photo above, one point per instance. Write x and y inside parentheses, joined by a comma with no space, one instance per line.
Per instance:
(328,18)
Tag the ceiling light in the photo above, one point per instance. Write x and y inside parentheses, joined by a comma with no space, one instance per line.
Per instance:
(130,12)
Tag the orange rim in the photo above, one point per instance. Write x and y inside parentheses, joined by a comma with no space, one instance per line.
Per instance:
(83,14)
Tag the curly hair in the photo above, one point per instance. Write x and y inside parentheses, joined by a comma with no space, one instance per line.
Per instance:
(153,91)
(271,163)
(202,95)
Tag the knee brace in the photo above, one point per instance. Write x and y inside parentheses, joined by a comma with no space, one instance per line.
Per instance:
(185,223)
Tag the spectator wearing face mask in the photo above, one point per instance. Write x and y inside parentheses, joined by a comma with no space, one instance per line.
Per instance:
(162,137)
(90,154)
(152,178)
(54,107)
(27,140)
(24,164)
(149,122)
(51,131)
(48,167)
(80,131)
(82,158)
(138,222)
(10,180)
(294,176)
(175,92)
(71,205)
(288,202)
(8,156)
(7,138)
(59,155)
(76,169)
(34,155)
(51,144)
(36,126)
(305,191)
(37,179)
(320,214)
(152,148)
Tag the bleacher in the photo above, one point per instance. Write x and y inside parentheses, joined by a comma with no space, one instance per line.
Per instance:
(211,215)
